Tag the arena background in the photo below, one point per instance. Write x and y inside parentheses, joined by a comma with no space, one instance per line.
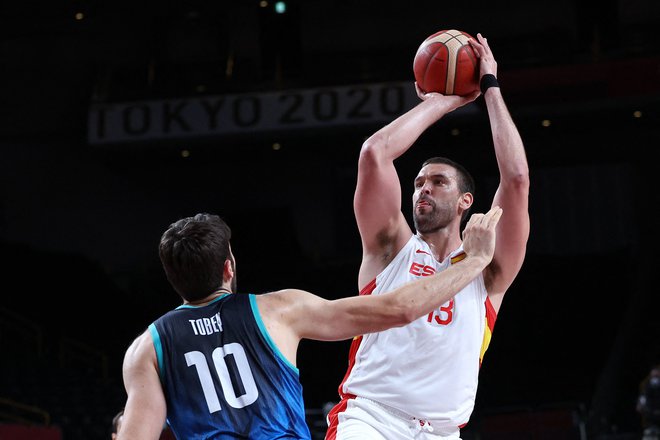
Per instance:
(117,118)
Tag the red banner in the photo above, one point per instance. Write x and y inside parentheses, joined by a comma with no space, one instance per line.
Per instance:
(22,432)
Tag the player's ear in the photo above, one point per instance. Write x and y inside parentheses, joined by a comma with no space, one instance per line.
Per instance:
(227,270)
(466,201)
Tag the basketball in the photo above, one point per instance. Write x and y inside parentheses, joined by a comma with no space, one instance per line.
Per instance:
(446,63)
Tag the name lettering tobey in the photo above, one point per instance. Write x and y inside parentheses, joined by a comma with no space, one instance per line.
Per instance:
(206,326)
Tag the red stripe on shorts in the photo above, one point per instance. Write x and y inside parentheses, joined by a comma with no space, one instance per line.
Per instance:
(333,417)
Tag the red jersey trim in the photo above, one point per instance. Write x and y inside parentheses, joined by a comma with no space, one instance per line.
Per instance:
(491,314)
(491,317)
(355,344)
(366,290)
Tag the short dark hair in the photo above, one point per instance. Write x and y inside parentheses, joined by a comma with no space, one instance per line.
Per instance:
(465,180)
(193,251)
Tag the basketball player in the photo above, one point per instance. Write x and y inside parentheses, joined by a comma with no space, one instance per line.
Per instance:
(223,365)
(420,380)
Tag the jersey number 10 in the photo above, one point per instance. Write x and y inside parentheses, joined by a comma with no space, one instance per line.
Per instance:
(236,379)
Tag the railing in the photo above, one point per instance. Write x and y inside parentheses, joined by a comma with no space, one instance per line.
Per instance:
(17,412)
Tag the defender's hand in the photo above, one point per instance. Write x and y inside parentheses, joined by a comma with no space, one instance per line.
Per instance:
(479,234)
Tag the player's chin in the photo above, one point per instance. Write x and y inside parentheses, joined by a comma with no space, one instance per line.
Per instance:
(423,209)
(421,218)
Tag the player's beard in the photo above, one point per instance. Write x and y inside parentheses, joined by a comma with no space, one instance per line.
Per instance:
(438,217)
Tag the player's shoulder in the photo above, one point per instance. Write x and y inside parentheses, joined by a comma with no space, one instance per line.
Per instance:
(286,307)
(140,349)
(283,296)
(286,301)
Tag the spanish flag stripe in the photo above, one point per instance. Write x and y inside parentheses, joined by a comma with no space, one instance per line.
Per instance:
(491,317)
(457,258)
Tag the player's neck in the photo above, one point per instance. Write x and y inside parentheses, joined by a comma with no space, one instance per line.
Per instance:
(221,291)
(442,242)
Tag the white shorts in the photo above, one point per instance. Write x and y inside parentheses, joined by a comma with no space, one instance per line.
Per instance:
(364,419)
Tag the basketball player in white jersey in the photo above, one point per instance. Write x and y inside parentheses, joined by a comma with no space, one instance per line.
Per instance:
(419,381)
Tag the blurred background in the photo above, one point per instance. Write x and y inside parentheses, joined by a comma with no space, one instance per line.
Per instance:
(117,118)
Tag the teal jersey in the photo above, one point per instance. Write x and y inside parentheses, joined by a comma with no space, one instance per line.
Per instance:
(223,376)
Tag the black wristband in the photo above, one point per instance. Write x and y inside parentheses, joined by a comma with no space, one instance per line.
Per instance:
(487,81)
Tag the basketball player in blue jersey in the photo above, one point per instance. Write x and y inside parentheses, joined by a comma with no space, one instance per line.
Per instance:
(223,365)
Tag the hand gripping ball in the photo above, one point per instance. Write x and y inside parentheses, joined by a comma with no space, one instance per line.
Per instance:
(446,63)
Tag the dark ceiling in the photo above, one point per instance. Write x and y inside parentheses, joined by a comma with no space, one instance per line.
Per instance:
(57,57)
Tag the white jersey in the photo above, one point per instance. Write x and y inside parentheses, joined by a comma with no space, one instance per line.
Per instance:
(428,368)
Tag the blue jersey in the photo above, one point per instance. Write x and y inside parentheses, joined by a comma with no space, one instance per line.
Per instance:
(223,376)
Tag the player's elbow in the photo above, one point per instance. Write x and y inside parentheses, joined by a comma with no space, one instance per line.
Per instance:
(372,149)
(408,315)
(403,312)
(519,181)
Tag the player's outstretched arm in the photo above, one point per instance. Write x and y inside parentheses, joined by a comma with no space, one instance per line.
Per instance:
(146,409)
(348,317)
(309,316)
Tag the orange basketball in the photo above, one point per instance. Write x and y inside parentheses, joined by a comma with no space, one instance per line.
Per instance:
(446,63)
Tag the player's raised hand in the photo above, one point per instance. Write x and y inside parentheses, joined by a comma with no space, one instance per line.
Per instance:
(455,101)
(487,63)
(479,234)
